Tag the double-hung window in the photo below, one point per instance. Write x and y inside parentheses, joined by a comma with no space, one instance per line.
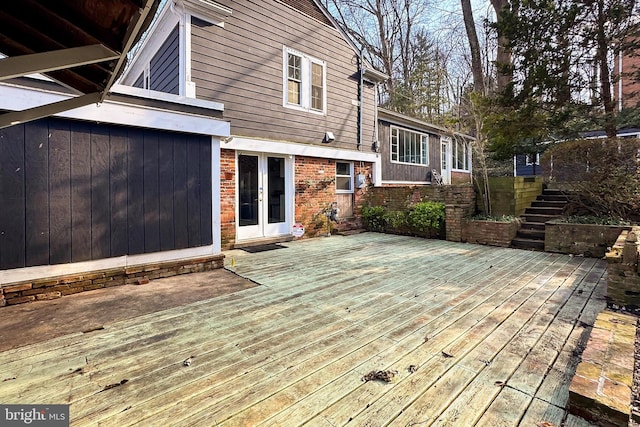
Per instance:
(304,82)
(409,147)
(461,156)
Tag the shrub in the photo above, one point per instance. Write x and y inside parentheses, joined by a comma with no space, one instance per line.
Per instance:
(601,176)
(427,217)
(374,218)
(396,219)
(596,220)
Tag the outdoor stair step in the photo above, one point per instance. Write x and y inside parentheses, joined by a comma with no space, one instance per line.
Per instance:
(532,226)
(548,204)
(538,217)
(543,210)
(529,233)
(531,244)
(553,197)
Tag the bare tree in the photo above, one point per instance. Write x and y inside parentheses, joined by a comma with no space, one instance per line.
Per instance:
(474,45)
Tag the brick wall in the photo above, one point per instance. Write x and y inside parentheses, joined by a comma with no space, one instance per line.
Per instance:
(492,233)
(59,286)
(459,201)
(227,197)
(580,239)
(623,273)
(315,190)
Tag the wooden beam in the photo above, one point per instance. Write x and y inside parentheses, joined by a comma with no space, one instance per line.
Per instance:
(18,117)
(135,27)
(18,66)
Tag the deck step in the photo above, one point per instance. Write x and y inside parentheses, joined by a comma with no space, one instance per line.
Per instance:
(530,244)
(548,204)
(532,226)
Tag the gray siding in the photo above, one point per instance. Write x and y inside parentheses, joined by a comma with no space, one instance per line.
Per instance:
(73,191)
(241,65)
(139,81)
(403,172)
(164,66)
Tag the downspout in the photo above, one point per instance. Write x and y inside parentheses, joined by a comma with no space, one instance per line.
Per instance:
(360,100)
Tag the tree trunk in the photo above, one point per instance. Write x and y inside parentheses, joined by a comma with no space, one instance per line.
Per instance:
(476,62)
(602,50)
(504,72)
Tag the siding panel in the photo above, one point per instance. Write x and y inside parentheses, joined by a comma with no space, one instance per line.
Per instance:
(12,213)
(72,191)
(36,192)
(151,193)
(165,184)
(243,68)
(164,66)
(118,190)
(60,193)
(100,202)
(180,188)
(80,193)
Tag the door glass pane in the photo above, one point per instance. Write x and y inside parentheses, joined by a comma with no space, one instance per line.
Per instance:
(276,201)
(248,189)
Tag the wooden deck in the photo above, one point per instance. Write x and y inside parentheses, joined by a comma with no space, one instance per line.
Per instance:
(478,336)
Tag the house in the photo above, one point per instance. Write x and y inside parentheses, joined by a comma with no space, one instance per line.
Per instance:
(300,101)
(414,152)
(529,164)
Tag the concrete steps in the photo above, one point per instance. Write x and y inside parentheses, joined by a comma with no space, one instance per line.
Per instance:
(548,206)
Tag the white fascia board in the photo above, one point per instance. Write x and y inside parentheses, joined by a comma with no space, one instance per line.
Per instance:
(18,98)
(39,272)
(297,149)
(168,97)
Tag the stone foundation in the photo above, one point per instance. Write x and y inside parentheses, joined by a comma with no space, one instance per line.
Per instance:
(59,286)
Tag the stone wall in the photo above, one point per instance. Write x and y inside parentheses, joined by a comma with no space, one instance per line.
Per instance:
(623,271)
(59,286)
(459,202)
(493,233)
(589,240)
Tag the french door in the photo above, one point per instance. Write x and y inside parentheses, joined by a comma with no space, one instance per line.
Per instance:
(264,196)
(445,164)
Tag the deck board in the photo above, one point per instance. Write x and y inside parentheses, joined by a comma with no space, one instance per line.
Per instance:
(294,350)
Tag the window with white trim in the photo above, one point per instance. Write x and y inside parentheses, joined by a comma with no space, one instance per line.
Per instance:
(344,177)
(461,155)
(409,147)
(304,82)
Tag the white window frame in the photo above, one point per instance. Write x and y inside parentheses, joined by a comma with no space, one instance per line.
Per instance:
(466,152)
(424,151)
(350,176)
(529,162)
(306,79)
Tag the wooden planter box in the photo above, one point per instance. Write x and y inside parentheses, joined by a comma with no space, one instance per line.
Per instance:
(589,240)
(493,233)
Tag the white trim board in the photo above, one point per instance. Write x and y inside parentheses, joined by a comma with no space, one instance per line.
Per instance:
(18,98)
(296,149)
(39,272)
(388,182)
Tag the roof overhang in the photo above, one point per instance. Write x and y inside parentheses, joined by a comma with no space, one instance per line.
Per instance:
(81,44)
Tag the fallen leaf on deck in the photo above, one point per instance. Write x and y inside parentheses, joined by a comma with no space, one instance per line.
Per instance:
(386,376)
